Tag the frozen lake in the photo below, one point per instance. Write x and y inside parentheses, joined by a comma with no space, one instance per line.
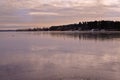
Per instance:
(59,56)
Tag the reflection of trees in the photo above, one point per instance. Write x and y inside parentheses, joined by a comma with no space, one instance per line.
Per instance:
(86,35)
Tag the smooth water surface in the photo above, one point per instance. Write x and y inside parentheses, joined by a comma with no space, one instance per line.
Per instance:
(59,55)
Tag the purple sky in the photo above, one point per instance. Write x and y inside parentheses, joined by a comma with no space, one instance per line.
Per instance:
(40,13)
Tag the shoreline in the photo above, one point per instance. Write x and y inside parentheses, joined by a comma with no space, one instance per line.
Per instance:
(62,31)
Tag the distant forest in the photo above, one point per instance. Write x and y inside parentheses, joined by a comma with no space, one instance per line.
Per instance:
(83,26)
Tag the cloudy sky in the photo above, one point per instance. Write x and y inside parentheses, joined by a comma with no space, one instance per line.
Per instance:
(39,13)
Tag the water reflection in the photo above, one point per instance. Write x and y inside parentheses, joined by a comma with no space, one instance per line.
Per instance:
(48,56)
(86,35)
(61,67)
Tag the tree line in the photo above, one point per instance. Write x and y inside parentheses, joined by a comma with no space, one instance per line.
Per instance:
(83,26)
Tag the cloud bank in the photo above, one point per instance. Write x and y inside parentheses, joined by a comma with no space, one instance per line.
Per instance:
(54,12)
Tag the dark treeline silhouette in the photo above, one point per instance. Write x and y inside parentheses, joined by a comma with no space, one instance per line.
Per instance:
(84,26)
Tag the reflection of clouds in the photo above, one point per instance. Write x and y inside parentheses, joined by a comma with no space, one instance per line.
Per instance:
(110,58)
(118,48)
(65,66)
(38,48)
(110,2)
(52,49)
(49,58)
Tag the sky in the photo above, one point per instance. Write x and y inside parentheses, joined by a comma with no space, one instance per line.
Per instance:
(45,13)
